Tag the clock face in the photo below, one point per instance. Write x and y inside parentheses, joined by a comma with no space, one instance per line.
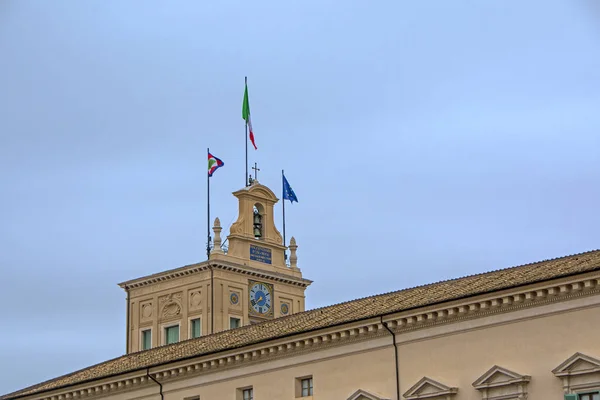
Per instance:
(261,298)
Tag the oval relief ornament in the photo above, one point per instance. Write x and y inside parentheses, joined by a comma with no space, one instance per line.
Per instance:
(196,299)
(147,310)
(171,310)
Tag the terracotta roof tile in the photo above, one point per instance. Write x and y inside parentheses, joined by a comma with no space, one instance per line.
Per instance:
(327,316)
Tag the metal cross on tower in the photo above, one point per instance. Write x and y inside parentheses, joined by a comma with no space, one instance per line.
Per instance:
(256,169)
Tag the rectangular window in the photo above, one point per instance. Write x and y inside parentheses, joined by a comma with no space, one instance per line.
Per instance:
(248,394)
(195,330)
(307,387)
(589,396)
(146,339)
(172,334)
(234,322)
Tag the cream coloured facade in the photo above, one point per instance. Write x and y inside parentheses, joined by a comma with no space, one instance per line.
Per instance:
(218,295)
(527,332)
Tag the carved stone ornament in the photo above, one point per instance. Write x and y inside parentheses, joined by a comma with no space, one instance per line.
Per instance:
(427,388)
(237,228)
(146,310)
(170,305)
(579,372)
(195,299)
(364,395)
(501,383)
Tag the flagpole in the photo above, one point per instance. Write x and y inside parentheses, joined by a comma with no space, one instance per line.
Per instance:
(207,212)
(246,175)
(283,203)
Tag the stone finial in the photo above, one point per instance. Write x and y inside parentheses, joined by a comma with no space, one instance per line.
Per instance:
(293,257)
(217,241)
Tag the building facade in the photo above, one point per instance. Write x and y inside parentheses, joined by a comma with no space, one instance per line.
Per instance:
(249,283)
(526,332)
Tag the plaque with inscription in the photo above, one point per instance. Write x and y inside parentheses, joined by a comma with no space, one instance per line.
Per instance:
(261,254)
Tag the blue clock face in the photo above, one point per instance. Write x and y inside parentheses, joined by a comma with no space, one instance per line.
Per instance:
(261,298)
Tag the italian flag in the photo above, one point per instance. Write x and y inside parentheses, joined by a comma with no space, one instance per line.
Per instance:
(213,164)
(246,116)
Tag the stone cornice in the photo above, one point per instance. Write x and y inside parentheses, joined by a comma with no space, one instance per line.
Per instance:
(534,295)
(205,266)
(446,313)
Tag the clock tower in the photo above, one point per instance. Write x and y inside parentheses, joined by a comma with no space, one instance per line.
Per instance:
(246,282)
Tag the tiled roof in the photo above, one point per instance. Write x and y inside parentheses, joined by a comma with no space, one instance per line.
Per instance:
(354,310)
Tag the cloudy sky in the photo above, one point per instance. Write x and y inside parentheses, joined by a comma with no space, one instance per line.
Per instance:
(425,140)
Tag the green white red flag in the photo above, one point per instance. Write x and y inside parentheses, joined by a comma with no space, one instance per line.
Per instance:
(246,116)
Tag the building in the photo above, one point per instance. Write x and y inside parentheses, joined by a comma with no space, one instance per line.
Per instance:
(234,327)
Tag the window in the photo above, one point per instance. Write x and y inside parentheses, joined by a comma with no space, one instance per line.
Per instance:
(307,387)
(195,329)
(248,394)
(146,339)
(172,334)
(589,396)
(235,323)
(304,386)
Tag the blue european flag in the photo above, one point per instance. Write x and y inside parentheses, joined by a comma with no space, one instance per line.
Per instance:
(288,192)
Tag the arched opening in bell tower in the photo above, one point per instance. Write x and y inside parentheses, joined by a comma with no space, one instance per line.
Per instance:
(258,220)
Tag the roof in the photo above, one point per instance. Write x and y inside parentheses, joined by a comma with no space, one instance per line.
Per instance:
(338,314)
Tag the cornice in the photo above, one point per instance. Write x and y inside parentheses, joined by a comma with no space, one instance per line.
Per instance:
(205,266)
(532,296)
(490,305)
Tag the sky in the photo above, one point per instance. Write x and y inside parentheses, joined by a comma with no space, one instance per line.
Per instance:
(425,141)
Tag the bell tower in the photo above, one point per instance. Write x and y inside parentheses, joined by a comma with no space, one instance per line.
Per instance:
(254,239)
(245,283)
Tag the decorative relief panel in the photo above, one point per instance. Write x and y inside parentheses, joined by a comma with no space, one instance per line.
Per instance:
(235,299)
(146,311)
(285,306)
(170,305)
(195,299)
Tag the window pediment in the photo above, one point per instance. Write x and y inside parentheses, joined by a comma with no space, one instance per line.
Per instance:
(364,395)
(501,383)
(577,364)
(579,372)
(428,388)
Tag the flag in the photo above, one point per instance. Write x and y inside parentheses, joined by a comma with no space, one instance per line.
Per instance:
(213,164)
(246,116)
(288,192)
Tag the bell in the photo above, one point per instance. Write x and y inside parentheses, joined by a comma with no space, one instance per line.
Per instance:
(257,219)
(257,232)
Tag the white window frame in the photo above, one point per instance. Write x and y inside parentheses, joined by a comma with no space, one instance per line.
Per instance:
(163,331)
(142,330)
(190,319)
